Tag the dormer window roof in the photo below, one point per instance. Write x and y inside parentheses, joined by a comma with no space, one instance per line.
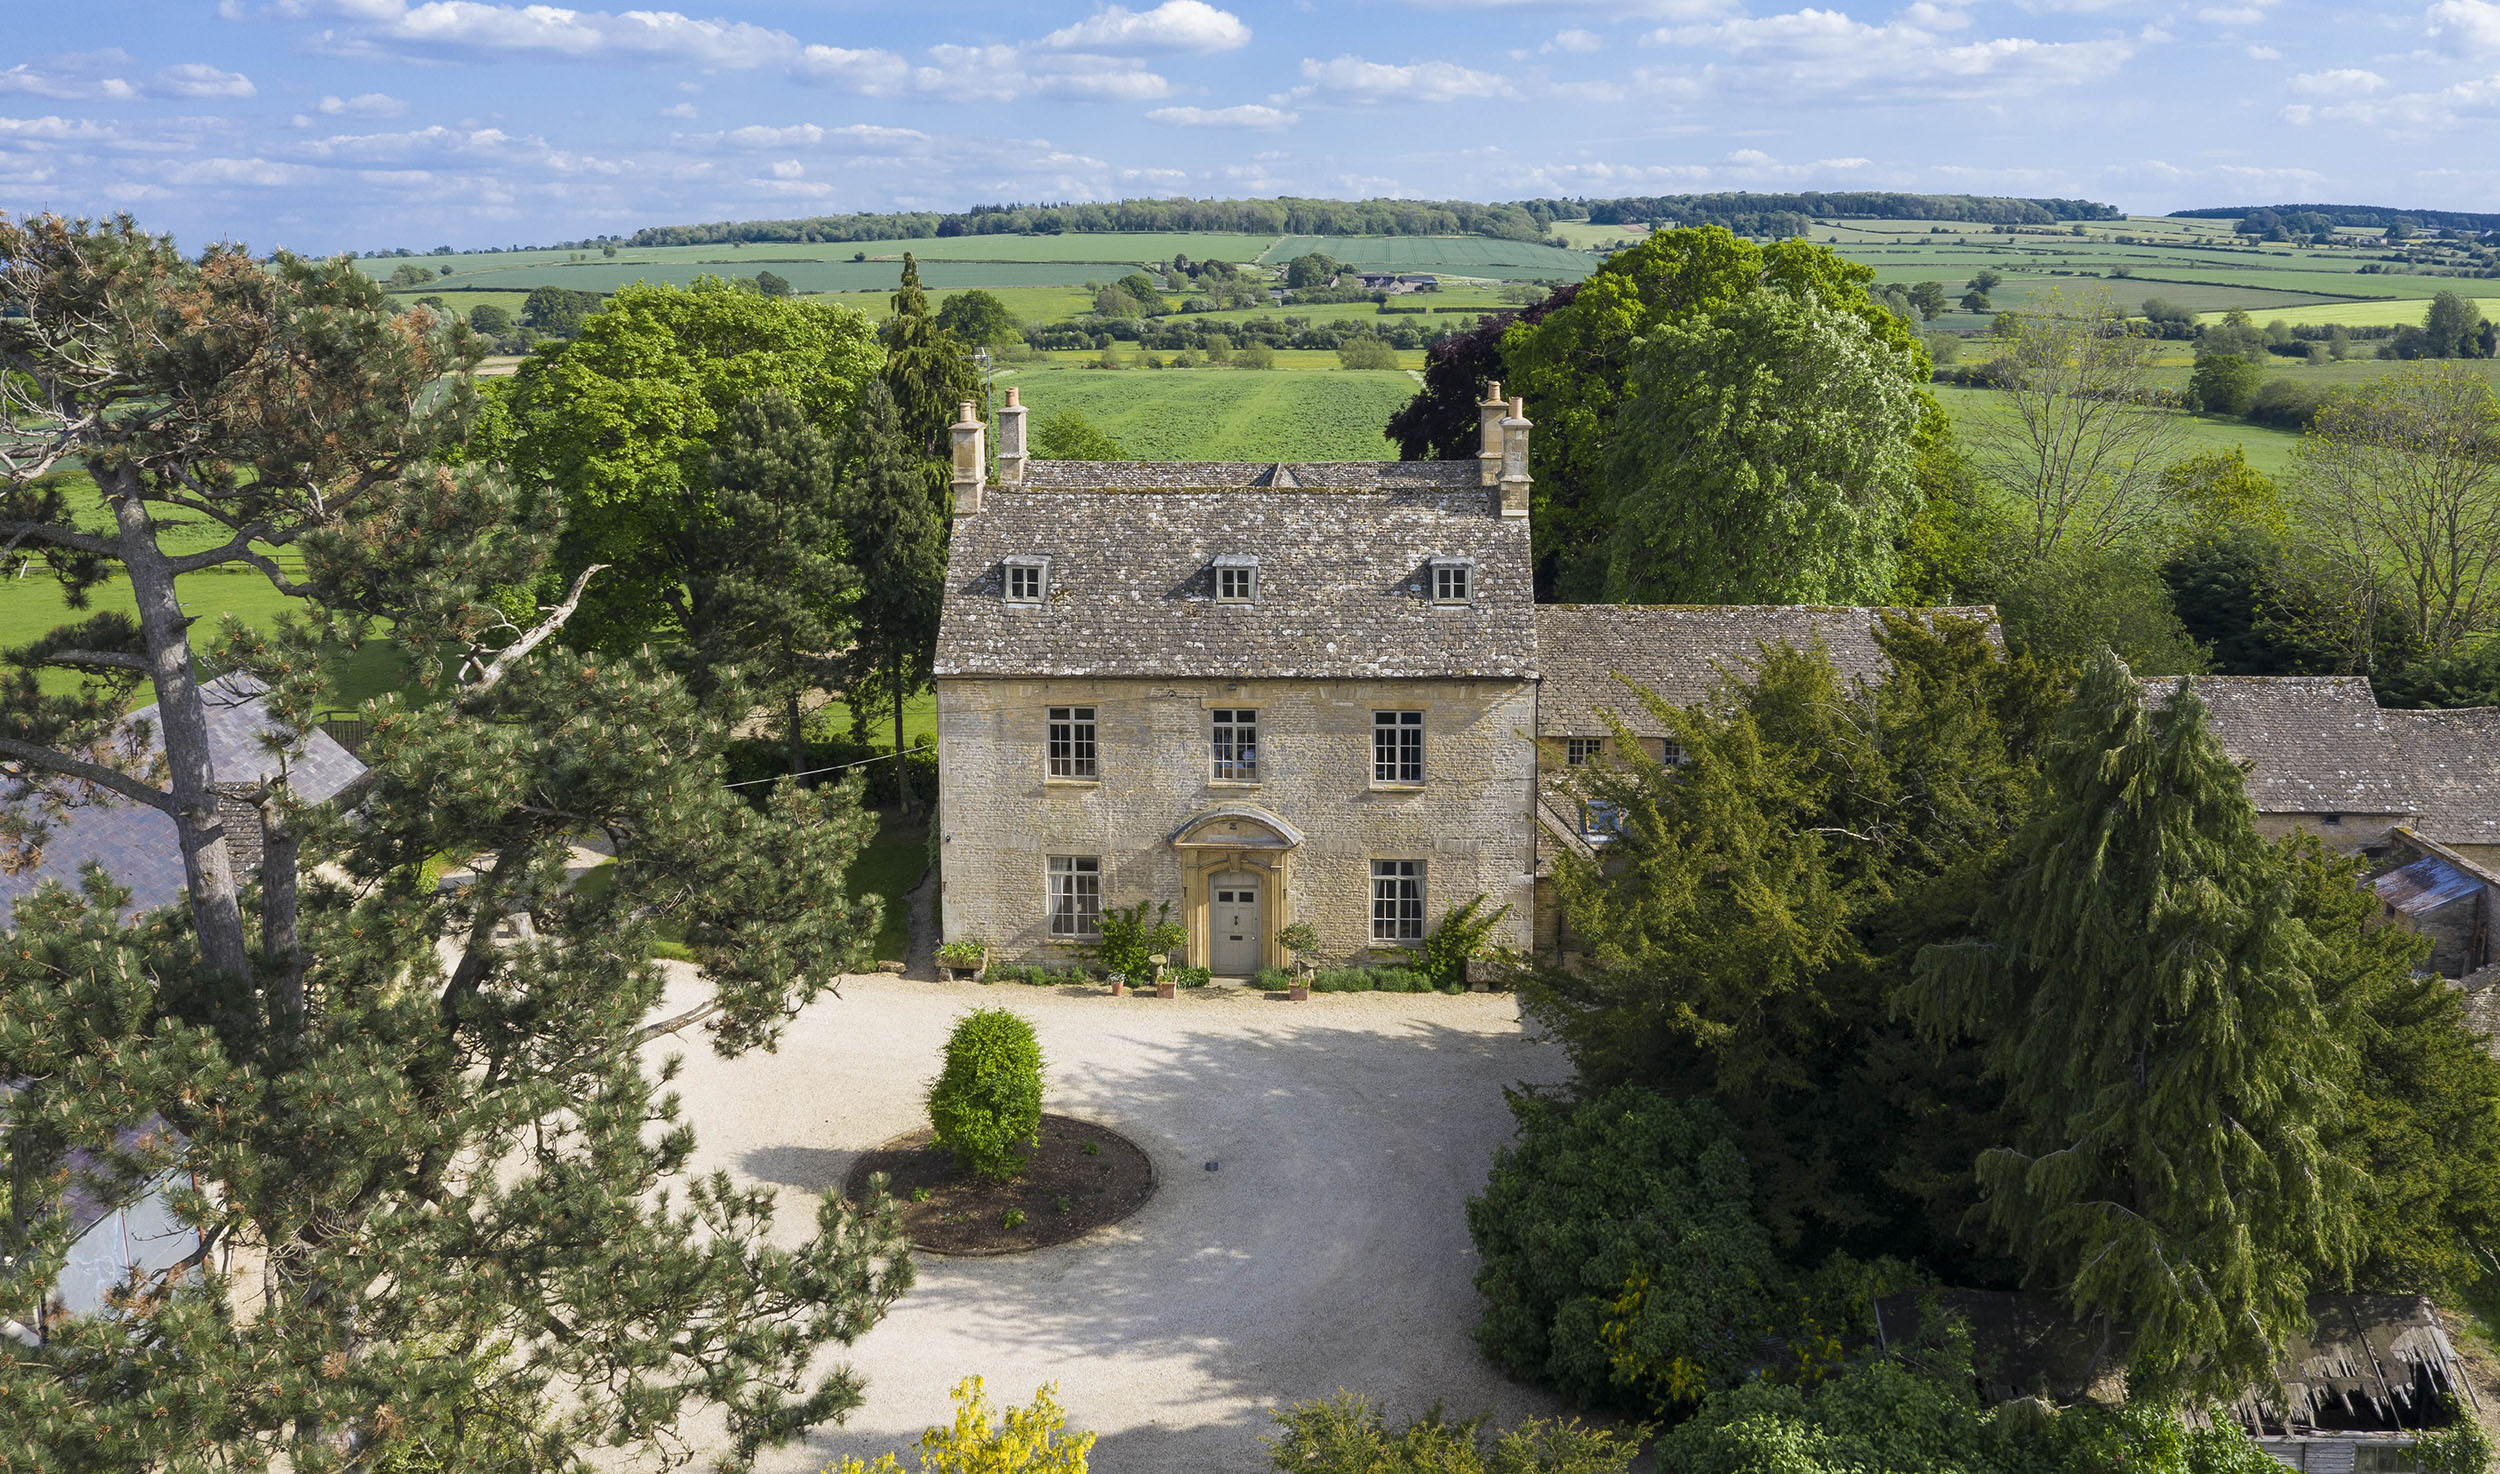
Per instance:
(1236,579)
(1026,579)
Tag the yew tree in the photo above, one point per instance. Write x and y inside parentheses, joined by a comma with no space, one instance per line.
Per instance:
(399,1083)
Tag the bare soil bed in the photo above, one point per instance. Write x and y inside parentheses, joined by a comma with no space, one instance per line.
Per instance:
(1080,1177)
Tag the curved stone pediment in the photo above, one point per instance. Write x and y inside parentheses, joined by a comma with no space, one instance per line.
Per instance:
(1236,827)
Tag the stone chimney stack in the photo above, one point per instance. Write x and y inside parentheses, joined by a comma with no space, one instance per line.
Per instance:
(1514,430)
(969,470)
(1011,442)
(1489,419)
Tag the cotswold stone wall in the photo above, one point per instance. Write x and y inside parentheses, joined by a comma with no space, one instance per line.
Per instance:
(1001,818)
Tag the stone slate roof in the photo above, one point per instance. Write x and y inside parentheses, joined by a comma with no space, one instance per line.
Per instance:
(2323,745)
(1682,652)
(1342,555)
(137,845)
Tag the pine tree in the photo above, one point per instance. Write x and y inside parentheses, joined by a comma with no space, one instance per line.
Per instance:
(2145,989)
(898,544)
(442,1203)
(774,587)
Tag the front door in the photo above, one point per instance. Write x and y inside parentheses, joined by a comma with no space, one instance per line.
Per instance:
(1233,926)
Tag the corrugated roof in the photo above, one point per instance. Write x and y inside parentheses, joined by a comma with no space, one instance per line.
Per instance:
(2425,885)
(1588,652)
(1342,574)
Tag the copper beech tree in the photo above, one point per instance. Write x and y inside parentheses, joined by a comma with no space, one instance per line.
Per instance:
(440,1195)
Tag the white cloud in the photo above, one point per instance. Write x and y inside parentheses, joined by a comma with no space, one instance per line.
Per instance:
(2469,26)
(363,105)
(2246,13)
(1353,79)
(2341,82)
(199,79)
(1823,52)
(789,169)
(2408,113)
(1574,39)
(870,73)
(811,135)
(682,111)
(1245,115)
(1002,73)
(2263,53)
(1175,25)
(581,35)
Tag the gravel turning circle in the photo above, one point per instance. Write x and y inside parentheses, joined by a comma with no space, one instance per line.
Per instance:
(1081,1177)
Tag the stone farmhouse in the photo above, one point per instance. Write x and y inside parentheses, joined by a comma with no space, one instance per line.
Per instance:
(1269,693)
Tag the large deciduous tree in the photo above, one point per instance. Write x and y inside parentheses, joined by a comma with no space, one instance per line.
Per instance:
(2401,482)
(621,426)
(2086,438)
(2147,994)
(1766,456)
(441,1202)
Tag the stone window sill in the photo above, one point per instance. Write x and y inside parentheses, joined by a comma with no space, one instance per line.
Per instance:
(1379,787)
(1072,783)
(1234,783)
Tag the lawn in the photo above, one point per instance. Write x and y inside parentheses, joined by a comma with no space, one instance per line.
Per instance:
(891,868)
(1226,414)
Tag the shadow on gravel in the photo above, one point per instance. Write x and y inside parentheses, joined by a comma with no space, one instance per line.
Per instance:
(815,1168)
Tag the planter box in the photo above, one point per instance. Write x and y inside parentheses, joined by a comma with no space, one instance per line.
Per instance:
(957,972)
(1297,991)
(1165,988)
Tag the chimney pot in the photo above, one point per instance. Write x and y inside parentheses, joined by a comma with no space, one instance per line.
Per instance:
(1514,430)
(1489,436)
(1011,455)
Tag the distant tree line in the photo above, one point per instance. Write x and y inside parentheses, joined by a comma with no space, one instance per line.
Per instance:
(1788,214)
(2370,217)
(1284,215)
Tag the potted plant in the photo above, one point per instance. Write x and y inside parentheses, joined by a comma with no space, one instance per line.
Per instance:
(1162,964)
(1299,941)
(963,961)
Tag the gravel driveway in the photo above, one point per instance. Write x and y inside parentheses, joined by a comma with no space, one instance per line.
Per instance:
(1328,1249)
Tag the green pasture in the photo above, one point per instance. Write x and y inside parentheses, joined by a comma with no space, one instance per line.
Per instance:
(1225,414)
(2270,451)
(1580,235)
(2384,312)
(1462,255)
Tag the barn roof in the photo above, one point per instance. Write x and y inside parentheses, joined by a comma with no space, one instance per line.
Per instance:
(1591,655)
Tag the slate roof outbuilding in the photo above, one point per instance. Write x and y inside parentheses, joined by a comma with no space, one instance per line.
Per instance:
(1343,551)
(137,845)
(1683,652)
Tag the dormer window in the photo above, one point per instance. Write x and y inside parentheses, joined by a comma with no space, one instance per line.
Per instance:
(1028,580)
(1236,579)
(1453,581)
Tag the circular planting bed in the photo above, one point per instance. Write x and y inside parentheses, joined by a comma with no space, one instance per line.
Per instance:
(1080,1177)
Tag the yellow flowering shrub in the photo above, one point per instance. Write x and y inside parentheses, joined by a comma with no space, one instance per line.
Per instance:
(1027,1440)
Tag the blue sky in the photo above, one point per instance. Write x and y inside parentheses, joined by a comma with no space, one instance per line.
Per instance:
(354,124)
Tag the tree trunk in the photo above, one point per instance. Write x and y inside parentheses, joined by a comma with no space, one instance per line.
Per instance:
(282,951)
(798,736)
(182,719)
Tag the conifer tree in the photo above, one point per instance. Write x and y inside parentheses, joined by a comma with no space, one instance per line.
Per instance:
(898,544)
(2145,989)
(440,1194)
(926,369)
(774,585)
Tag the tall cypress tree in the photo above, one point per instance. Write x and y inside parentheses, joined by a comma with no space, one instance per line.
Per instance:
(926,370)
(2144,987)
(775,588)
(898,544)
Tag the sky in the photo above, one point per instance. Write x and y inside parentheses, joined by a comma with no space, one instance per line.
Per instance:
(327,125)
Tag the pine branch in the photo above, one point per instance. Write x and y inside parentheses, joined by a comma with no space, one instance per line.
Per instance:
(493,671)
(87,772)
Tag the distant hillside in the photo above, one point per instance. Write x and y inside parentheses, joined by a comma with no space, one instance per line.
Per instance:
(1790,214)
(2369,217)
(1281,216)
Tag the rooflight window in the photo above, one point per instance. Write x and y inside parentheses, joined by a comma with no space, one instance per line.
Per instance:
(1028,580)
(1453,581)
(1236,580)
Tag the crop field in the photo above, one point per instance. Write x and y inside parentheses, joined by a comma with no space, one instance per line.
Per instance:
(1225,414)
(2384,312)
(1459,255)
(1580,235)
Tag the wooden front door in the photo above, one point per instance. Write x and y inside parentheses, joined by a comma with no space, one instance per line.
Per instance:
(1235,924)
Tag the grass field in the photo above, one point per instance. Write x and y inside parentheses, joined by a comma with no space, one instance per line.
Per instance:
(2269,451)
(1226,414)
(1460,255)
(2386,312)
